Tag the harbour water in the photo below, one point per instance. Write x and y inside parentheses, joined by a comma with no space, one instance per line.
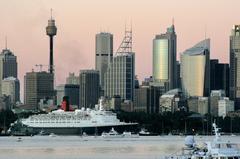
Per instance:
(76,147)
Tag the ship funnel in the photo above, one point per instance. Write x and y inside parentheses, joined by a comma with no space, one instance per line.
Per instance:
(65,103)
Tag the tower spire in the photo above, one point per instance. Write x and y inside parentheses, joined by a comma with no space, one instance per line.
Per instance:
(6,42)
(51,13)
(173,21)
(51,31)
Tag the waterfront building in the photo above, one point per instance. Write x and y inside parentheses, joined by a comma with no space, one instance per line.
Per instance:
(170,101)
(215,96)
(164,58)
(127,106)
(234,91)
(192,103)
(203,105)
(89,88)
(224,106)
(38,85)
(141,99)
(198,105)
(155,92)
(104,54)
(195,70)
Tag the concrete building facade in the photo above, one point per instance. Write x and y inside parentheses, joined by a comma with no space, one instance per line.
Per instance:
(89,88)
(8,66)
(11,87)
(120,77)
(37,86)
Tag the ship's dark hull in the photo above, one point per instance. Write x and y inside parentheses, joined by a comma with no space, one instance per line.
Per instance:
(77,131)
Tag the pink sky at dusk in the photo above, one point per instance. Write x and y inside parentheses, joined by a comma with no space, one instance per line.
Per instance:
(24,22)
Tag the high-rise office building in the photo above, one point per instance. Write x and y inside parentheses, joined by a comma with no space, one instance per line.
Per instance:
(219,76)
(164,58)
(195,70)
(11,87)
(8,66)
(70,90)
(104,54)
(120,77)
(89,88)
(234,90)
(38,85)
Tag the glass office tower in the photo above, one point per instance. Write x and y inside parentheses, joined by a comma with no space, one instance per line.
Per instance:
(195,70)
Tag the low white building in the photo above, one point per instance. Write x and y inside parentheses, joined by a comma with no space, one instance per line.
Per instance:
(224,106)
(203,105)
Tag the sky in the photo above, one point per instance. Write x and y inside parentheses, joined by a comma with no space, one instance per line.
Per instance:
(24,22)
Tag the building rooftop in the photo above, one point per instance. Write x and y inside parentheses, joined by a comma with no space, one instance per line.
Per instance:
(6,52)
(199,48)
(10,79)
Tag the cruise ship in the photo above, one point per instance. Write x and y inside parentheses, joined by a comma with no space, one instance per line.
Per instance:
(64,122)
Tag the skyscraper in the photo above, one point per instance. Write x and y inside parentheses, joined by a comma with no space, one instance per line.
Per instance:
(38,85)
(195,70)
(164,58)
(104,54)
(219,76)
(120,76)
(8,66)
(234,91)
(89,88)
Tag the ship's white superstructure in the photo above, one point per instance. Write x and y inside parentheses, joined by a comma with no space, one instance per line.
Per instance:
(77,118)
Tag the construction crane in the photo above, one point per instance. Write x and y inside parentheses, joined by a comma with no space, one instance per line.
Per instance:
(40,66)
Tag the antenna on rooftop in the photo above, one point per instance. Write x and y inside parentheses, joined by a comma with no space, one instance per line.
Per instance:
(6,42)
(172,20)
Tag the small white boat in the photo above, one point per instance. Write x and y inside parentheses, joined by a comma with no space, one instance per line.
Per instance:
(144,132)
(112,134)
(52,135)
(130,135)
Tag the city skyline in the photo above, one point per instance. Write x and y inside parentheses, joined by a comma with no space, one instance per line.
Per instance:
(75,45)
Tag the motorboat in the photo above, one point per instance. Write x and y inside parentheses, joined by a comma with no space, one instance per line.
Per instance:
(215,149)
(112,134)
